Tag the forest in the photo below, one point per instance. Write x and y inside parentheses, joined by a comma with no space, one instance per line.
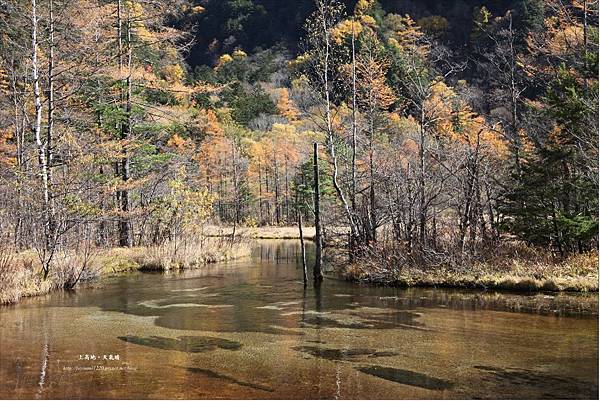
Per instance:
(456,143)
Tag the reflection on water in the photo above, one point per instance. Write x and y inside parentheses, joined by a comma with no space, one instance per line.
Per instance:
(215,375)
(249,329)
(406,377)
(565,387)
(343,354)
(192,344)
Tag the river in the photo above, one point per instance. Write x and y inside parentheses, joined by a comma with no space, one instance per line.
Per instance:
(248,329)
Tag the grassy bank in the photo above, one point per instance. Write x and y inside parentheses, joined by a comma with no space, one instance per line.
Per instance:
(513,268)
(20,273)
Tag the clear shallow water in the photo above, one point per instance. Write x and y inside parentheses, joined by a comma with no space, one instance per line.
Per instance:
(248,329)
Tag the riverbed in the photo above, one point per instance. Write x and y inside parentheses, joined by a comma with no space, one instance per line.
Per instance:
(249,329)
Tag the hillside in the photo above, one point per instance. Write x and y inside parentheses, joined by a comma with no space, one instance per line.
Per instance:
(224,25)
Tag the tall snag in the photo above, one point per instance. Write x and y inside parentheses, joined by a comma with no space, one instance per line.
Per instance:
(317,274)
(48,247)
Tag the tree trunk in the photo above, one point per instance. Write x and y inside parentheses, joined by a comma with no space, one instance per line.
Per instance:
(302,250)
(277,209)
(50,128)
(422,169)
(19,137)
(352,238)
(287,193)
(125,237)
(260,197)
(41,146)
(236,197)
(373,213)
(330,133)
(514,97)
(317,274)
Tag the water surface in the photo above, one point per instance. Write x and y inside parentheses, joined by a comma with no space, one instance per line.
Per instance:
(248,329)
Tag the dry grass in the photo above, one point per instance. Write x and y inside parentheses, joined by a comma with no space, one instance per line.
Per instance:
(272,232)
(20,277)
(20,273)
(513,267)
(333,234)
(71,267)
(171,256)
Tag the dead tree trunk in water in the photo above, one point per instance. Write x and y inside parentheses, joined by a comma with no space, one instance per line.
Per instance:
(302,250)
(318,275)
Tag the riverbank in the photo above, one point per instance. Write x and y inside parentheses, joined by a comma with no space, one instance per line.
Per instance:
(20,273)
(577,273)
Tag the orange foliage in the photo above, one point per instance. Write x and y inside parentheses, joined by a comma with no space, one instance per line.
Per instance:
(180,144)
(344,30)
(7,150)
(215,152)
(563,36)
(214,158)
(3,80)
(278,150)
(286,107)
(457,122)
(374,92)
(208,122)
(408,35)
